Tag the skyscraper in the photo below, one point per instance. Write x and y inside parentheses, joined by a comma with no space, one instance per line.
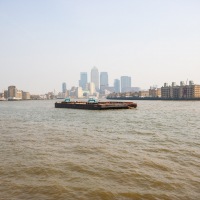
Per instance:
(117,85)
(83,80)
(125,83)
(103,81)
(64,87)
(95,77)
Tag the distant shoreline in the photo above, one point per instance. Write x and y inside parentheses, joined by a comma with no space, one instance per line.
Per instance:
(153,98)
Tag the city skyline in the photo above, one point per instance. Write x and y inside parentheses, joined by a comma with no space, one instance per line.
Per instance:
(46,43)
(101,81)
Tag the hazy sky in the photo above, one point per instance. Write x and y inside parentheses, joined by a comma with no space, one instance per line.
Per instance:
(46,42)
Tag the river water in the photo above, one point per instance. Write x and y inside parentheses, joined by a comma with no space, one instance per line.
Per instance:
(152,152)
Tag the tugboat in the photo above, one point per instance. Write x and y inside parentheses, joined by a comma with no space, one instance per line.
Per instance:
(94,104)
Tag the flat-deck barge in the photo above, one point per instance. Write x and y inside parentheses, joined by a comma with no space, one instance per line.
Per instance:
(95,105)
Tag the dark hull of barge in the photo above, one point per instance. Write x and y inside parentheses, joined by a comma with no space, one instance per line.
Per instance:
(96,106)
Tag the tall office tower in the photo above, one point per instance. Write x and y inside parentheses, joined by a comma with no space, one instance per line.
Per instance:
(64,87)
(103,81)
(83,80)
(125,83)
(95,77)
(117,85)
(12,92)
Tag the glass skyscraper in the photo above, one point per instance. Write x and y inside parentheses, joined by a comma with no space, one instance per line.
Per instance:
(64,87)
(103,81)
(125,83)
(117,85)
(83,80)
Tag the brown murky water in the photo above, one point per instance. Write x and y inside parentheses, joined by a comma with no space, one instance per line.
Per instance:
(152,152)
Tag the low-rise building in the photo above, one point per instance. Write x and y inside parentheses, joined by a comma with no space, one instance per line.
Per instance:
(1,95)
(6,94)
(183,91)
(26,96)
(155,92)
(143,93)
(19,95)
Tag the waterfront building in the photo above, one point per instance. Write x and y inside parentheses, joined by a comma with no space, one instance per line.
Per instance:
(6,94)
(35,97)
(12,92)
(19,94)
(154,92)
(144,93)
(125,83)
(26,95)
(103,82)
(95,77)
(166,91)
(1,95)
(117,86)
(183,91)
(135,94)
(83,80)
(64,87)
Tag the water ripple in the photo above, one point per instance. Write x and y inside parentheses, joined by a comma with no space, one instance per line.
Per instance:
(152,152)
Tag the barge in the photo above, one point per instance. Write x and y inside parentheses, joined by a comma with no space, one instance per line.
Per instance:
(93,104)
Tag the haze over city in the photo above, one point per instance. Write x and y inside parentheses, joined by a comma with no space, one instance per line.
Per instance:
(45,43)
